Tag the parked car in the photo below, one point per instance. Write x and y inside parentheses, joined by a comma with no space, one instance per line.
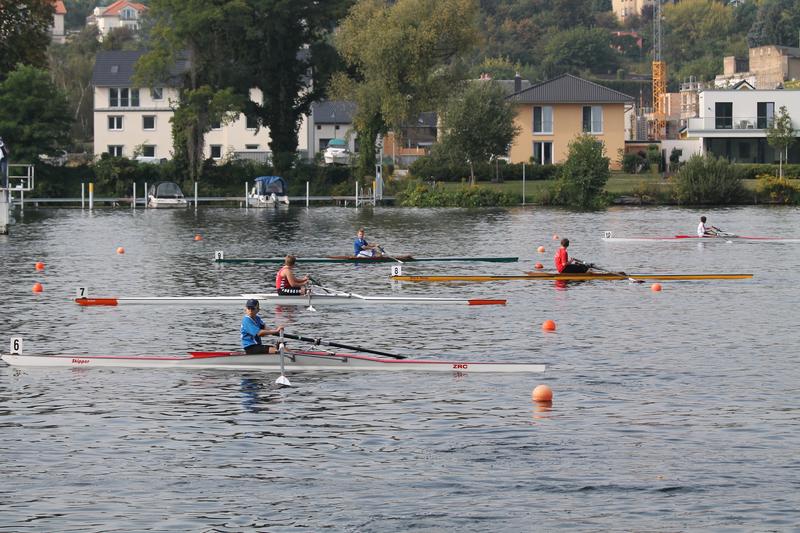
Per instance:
(337,153)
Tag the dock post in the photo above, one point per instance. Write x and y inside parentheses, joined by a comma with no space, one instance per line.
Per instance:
(306,194)
(523,184)
(83,195)
(21,202)
(246,203)
(91,195)
(195,195)
(5,216)
(133,200)
(356,194)
(145,195)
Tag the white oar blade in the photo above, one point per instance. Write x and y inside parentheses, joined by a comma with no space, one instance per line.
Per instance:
(283,381)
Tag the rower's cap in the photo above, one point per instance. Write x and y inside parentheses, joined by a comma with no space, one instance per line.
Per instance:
(251,304)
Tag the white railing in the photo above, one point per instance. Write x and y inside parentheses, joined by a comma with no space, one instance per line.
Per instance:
(730,123)
(20,178)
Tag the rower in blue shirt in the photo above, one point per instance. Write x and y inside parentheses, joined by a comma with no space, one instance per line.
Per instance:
(361,248)
(253,328)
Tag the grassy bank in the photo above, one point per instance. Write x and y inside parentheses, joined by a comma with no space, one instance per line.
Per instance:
(620,184)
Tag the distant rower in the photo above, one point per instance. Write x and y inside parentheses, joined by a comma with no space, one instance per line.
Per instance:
(564,264)
(361,248)
(706,231)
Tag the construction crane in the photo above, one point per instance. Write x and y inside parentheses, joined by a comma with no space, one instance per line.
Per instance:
(659,68)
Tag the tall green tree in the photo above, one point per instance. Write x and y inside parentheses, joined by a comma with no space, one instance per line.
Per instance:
(781,135)
(34,119)
(192,46)
(579,49)
(478,124)
(776,22)
(71,67)
(402,58)
(584,174)
(286,48)
(24,33)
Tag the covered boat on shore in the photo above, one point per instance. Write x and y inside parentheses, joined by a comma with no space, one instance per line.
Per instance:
(269,191)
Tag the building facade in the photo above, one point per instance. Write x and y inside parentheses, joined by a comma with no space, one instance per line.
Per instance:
(120,14)
(57,30)
(733,123)
(553,113)
(765,68)
(134,122)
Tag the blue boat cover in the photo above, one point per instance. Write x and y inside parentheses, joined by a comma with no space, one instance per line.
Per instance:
(266,185)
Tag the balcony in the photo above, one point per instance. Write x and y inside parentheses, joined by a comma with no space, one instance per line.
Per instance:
(736,126)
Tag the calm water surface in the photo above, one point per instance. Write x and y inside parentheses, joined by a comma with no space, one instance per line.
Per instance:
(673,411)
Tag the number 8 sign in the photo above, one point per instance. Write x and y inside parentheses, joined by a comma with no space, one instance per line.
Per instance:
(397,270)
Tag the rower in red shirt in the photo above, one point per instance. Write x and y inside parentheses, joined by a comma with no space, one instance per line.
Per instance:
(564,264)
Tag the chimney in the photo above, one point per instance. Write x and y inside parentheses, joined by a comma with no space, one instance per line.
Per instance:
(517,82)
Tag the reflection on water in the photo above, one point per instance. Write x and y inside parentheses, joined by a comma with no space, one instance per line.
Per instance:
(659,397)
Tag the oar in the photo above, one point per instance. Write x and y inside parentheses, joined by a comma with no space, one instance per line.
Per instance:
(595,267)
(318,342)
(383,252)
(722,233)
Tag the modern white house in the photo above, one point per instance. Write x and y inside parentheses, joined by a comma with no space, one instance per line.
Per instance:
(733,123)
(133,121)
(121,13)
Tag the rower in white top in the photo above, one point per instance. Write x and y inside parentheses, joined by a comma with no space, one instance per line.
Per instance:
(707,231)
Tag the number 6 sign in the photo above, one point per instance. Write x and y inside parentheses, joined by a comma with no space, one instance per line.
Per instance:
(16,345)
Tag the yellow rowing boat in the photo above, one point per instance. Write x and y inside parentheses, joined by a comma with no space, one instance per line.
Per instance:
(588,276)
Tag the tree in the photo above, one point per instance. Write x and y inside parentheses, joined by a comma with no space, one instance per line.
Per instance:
(584,174)
(33,114)
(478,124)
(285,47)
(402,60)
(71,67)
(24,33)
(192,45)
(776,22)
(781,135)
(579,49)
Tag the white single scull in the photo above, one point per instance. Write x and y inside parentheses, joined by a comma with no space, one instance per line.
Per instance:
(723,237)
(274,299)
(294,360)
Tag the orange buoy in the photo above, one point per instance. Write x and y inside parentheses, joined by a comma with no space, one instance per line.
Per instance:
(37,287)
(39,265)
(549,325)
(538,266)
(540,249)
(655,287)
(542,393)
(198,237)
(120,250)
(555,237)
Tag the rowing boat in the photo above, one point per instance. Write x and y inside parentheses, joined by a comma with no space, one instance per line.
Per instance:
(588,276)
(609,237)
(367,260)
(297,360)
(341,299)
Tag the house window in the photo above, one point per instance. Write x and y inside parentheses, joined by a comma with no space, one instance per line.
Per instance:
(336,127)
(543,119)
(723,112)
(148,150)
(744,150)
(319,127)
(216,125)
(766,114)
(123,97)
(157,93)
(593,119)
(543,153)
(149,122)
(323,143)
(114,123)
(115,150)
(251,147)
(251,123)
(216,151)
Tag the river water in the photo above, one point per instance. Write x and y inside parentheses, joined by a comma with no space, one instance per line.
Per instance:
(672,411)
